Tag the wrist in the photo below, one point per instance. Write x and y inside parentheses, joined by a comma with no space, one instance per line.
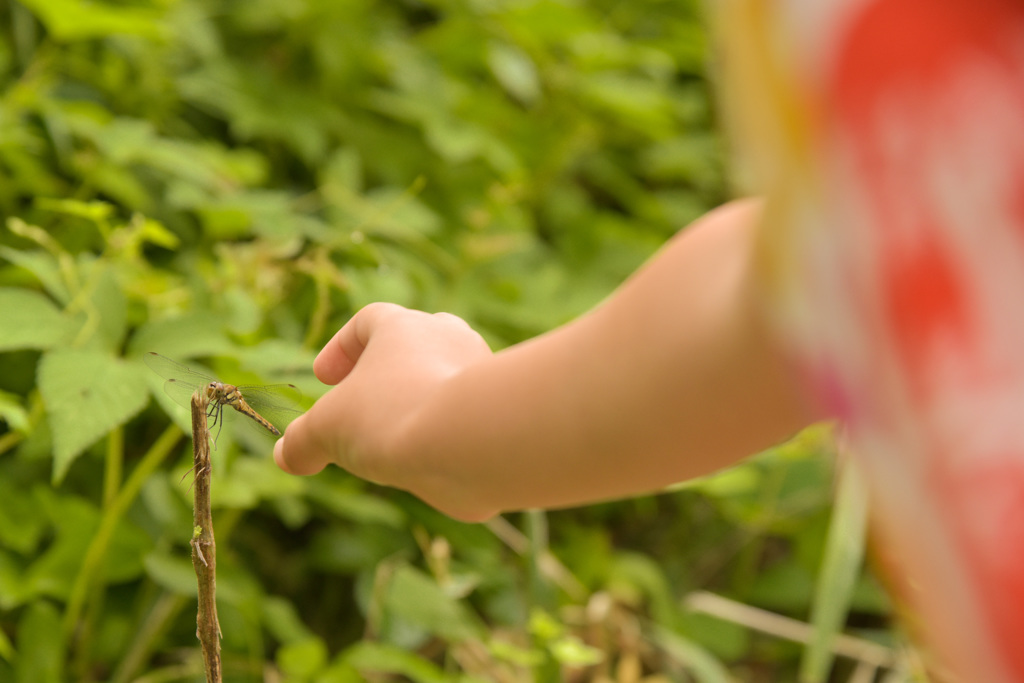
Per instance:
(433,460)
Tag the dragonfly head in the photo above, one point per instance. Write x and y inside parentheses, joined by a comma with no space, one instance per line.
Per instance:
(213,392)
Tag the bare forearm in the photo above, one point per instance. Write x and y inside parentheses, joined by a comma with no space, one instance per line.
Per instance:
(673,377)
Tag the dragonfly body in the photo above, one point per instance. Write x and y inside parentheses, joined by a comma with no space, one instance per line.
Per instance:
(220,395)
(271,407)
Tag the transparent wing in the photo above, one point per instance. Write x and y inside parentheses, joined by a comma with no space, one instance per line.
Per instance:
(277,403)
(169,369)
(180,392)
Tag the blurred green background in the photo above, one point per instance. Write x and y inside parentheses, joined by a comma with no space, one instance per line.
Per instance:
(226,182)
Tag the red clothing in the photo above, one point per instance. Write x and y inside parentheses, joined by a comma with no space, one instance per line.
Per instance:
(889,137)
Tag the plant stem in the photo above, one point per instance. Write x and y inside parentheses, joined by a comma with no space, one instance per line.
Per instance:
(840,569)
(115,465)
(112,514)
(204,547)
(542,593)
(9,441)
(155,624)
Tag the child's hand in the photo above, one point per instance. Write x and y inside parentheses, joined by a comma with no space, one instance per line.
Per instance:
(386,362)
(673,376)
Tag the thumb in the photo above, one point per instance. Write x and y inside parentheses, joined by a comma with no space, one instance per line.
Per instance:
(297,452)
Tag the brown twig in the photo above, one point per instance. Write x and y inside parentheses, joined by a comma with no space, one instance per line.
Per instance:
(204,548)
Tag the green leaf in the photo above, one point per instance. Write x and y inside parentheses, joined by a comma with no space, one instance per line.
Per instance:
(519,656)
(282,620)
(40,645)
(76,521)
(225,221)
(343,549)
(110,309)
(571,651)
(635,102)
(257,104)
(783,587)
(31,321)
(277,356)
(243,314)
(414,598)
(394,212)
(377,657)
(844,554)
(545,628)
(300,661)
(515,71)
(164,499)
(6,647)
(43,265)
(698,661)
(341,176)
(14,589)
(12,413)
(69,20)
(252,480)
(724,639)
(21,525)
(379,284)
(634,576)
(340,672)
(193,334)
(95,211)
(173,572)
(87,393)
(348,502)
(729,483)
(189,166)
(154,232)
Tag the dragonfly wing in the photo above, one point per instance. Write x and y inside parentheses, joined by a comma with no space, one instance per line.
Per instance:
(272,395)
(169,369)
(180,392)
(277,403)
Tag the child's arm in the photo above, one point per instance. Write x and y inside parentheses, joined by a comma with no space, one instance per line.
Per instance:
(674,376)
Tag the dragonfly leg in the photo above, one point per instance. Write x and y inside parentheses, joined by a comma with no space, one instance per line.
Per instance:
(215,414)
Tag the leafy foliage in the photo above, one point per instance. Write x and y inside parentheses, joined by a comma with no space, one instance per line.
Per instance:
(230,181)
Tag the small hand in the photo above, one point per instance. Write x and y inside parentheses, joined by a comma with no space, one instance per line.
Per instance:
(385,363)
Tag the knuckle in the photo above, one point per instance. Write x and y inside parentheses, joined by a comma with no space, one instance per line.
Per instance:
(450,318)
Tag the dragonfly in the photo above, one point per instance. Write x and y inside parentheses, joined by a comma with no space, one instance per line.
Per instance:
(272,406)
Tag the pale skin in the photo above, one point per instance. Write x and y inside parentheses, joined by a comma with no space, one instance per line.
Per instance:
(674,376)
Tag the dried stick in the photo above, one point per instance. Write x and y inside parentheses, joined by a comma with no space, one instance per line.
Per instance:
(204,548)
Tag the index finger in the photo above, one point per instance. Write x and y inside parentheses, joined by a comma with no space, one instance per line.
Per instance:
(340,355)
